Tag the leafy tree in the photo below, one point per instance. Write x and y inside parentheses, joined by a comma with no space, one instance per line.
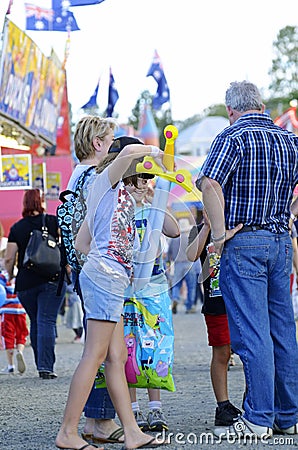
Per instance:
(284,70)
(216,110)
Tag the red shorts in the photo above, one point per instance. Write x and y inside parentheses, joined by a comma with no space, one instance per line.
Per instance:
(217,330)
(14,330)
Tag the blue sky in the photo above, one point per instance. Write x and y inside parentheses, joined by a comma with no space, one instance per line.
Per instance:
(203,46)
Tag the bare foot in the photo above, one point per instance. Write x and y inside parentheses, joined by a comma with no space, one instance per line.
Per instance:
(89,426)
(71,441)
(141,441)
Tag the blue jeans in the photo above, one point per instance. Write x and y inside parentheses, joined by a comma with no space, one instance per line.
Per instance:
(255,283)
(184,271)
(99,404)
(42,306)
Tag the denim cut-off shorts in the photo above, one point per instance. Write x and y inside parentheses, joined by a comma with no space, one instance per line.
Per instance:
(103,295)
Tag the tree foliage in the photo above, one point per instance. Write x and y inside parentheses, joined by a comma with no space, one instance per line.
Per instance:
(284,70)
(162,117)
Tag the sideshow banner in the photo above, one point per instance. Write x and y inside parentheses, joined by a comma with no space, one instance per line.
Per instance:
(53,185)
(39,176)
(16,172)
(31,84)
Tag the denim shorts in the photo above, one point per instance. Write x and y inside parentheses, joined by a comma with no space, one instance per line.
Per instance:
(103,295)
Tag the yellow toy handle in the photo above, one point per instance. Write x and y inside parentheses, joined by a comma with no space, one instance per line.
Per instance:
(170,133)
(182,177)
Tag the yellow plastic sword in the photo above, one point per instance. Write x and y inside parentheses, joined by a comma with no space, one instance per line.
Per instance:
(181,177)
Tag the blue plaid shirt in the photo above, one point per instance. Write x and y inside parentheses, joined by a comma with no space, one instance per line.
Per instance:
(256,164)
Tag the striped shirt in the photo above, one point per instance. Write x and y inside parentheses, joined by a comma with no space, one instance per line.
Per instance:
(256,164)
(12,305)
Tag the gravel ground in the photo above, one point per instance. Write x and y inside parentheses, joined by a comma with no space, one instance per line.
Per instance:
(31,408)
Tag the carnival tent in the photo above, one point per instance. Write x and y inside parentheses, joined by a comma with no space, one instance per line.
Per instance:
(196,139)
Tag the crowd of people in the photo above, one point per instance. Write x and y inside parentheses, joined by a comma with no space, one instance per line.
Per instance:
(242,244)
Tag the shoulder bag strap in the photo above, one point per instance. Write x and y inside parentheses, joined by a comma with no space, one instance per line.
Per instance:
(82,178)
(44,227)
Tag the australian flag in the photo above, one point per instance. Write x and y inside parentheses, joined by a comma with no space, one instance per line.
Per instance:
(92,102)
(55,19)
(113,96)
(163,93)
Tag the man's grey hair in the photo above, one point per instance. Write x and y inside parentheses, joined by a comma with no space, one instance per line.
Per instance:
(243,96)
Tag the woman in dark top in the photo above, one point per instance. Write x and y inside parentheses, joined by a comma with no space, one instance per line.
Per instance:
(36,293)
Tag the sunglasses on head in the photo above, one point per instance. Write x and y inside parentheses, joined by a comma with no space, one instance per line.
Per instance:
(145,176)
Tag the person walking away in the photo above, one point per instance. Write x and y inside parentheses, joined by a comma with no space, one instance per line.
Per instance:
(74,314)
(248,178)
(37,294)
(184,270)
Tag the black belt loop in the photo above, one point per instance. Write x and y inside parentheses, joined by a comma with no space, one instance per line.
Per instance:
(250,228)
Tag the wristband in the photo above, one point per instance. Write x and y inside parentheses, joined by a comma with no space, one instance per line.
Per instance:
(154,151)
(293,217)
(220,238)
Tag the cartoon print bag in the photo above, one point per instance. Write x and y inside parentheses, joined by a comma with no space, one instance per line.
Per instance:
(149,337)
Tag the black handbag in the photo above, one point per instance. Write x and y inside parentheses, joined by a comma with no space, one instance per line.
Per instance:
(42,254)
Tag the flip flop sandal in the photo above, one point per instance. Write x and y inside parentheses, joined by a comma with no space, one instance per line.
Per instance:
(87,436)
(81,448)
(149,444)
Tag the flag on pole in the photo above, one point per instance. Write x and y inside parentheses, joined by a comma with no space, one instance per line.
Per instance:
(92,102)
(163,93)
(9,7)
(113,96)
(42,19)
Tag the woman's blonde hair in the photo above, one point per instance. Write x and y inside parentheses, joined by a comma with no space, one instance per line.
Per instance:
(86,130)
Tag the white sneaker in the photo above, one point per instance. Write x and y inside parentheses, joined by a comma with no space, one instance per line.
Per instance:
(243,428)
(20,362)
(290,430)
(7,371)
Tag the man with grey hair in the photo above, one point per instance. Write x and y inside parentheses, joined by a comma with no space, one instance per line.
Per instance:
(247,183)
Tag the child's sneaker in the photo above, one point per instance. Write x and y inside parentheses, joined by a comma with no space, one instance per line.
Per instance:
(156,420)
(20,362)
(225,417)
(141,420)
(7,371)
(232,361)
(290,430)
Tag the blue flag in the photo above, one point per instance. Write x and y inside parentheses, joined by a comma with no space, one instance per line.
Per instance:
(113,96)
(70,3)
(92,102)
(163,93)
(84,2)
(42,19)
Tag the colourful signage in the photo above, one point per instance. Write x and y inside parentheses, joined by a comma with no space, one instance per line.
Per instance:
(31,85)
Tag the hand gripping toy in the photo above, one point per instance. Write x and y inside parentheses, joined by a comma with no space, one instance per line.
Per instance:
(181,177)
